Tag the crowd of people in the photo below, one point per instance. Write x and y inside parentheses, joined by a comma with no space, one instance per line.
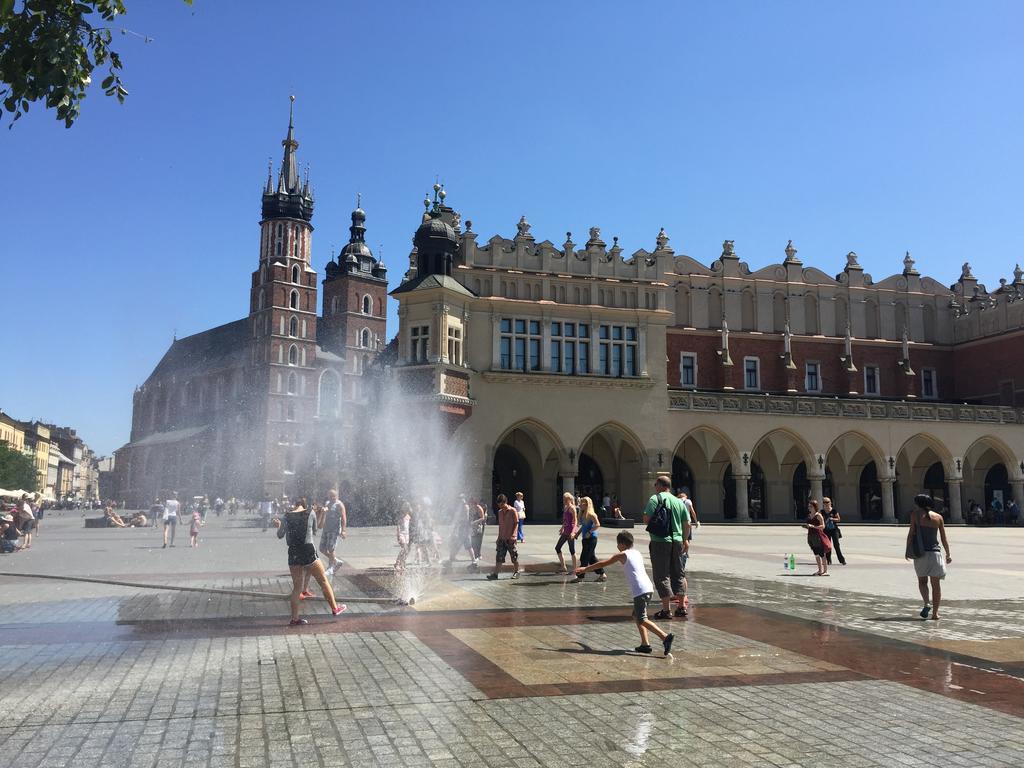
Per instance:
(19,523)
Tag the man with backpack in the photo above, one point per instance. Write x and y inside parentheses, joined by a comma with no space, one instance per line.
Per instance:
(668,523)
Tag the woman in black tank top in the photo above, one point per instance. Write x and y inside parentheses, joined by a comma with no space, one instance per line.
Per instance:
(298,528)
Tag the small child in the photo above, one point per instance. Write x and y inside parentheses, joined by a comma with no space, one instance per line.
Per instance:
(197,520)
(640,587)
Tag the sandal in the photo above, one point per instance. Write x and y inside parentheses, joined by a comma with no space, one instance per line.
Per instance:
(662,615)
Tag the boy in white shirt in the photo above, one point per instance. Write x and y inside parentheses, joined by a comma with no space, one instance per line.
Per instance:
(641,588)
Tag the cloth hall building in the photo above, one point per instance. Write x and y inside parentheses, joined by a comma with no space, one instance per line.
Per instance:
(572,367)
(576,367)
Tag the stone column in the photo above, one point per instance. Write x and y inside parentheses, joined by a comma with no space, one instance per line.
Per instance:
(888,511)
(956,506)
(742,505)
(1017,488)
(817,492)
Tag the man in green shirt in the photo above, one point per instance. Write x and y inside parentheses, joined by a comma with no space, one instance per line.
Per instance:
(667,551)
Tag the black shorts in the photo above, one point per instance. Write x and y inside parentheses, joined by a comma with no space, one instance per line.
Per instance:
(509,548)
(302,555)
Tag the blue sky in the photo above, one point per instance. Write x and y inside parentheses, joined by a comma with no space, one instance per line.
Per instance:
(871,126)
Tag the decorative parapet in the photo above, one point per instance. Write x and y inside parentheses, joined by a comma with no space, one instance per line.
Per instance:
(557,380)
(789,405)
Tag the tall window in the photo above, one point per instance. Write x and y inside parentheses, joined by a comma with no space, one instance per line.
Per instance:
(367,305)
(293,355)
(454,345)
(617,350)
(812,377)
(262,300)
(329,390)
(871,380)
(688,369)
(929,387)
(419,343)
(293,301)
(570,347)
(295,273)
(293,383)
(364,338)
(520,344)
(751,373)
(293,327)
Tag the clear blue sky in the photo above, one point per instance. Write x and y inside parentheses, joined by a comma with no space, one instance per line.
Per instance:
(870,126)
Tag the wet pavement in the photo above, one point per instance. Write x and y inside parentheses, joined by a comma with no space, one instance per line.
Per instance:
(181,657)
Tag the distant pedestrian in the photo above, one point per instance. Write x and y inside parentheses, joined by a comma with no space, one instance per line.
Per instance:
(171,508)
(817,539)
(156,512)
(193,532)
(567,533)
(831,515)
(266,511)
(520,507)
(506,541)
(335,526)
(926,529)
(640,587)
(477,524)
(589,522)
(27,522)
(402,532)
(298,528)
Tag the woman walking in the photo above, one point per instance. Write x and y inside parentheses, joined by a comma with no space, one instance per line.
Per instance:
(567,533)
(402,528)
(926,528)
(299,526)
(831,515)
(477,523)
(589,523)
(817,539)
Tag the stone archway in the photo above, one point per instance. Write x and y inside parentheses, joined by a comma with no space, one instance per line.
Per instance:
(986,476)
(779,454)
(526,458)
(916,472)
(705,453)
(619,456)
(854,461)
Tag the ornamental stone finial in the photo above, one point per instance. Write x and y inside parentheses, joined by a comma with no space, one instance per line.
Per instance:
(851,260)
(965,271)
(1018,274)
(908,265)
(790,251)
(728,250)
(662,239)
(523,227)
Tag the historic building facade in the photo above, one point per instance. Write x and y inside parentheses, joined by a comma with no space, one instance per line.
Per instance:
(573,367)
(262,405)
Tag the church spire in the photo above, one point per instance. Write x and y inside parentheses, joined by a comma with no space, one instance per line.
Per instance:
(293,196)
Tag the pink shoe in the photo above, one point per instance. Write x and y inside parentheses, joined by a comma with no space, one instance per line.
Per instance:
(340,609)
(306,595)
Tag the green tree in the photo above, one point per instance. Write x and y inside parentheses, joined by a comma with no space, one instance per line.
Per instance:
(49,49)
(17,471)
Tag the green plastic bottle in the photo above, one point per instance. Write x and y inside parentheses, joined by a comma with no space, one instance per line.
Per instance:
(792,562)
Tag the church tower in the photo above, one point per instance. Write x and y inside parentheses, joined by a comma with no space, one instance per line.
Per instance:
(355,305)
(282,317)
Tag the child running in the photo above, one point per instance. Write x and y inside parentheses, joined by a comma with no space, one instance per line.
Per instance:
(194,530)
(640,586)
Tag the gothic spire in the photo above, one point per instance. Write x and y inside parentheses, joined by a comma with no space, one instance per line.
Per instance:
(289,177)
(293,196)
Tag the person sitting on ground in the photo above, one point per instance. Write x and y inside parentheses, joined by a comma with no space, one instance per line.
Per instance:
(640,587)
(114,520)
(617,511)
(9,534)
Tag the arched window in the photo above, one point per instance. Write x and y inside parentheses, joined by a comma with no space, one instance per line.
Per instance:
(294,300)
(329,390)
(748,316)
(367,305)
(295,273)
(277,248)
(293,326)
(263,274)
(334,305)
(280,230)
(293,383)
(380,307)
(262,300)
(364,338)
(293,355)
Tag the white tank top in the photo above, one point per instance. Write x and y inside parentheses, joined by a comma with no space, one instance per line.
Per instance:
(636,574)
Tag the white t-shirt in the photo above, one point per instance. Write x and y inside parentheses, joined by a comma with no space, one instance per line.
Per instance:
(520,509)
(636,574)
(171,507)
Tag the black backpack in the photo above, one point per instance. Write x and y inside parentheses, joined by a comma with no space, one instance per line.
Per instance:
(660,523)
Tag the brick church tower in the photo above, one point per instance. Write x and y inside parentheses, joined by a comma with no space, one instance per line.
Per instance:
(355,305)
(282,317)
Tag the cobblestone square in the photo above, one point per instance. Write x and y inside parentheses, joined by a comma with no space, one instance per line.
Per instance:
(121,653)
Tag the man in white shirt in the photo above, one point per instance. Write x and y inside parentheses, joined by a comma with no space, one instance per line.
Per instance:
(171,509)
(520,508)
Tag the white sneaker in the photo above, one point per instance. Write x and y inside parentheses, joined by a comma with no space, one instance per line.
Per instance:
(329,572)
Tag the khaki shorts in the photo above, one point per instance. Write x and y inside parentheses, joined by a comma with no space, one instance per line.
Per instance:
(640,603)
(930,564)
